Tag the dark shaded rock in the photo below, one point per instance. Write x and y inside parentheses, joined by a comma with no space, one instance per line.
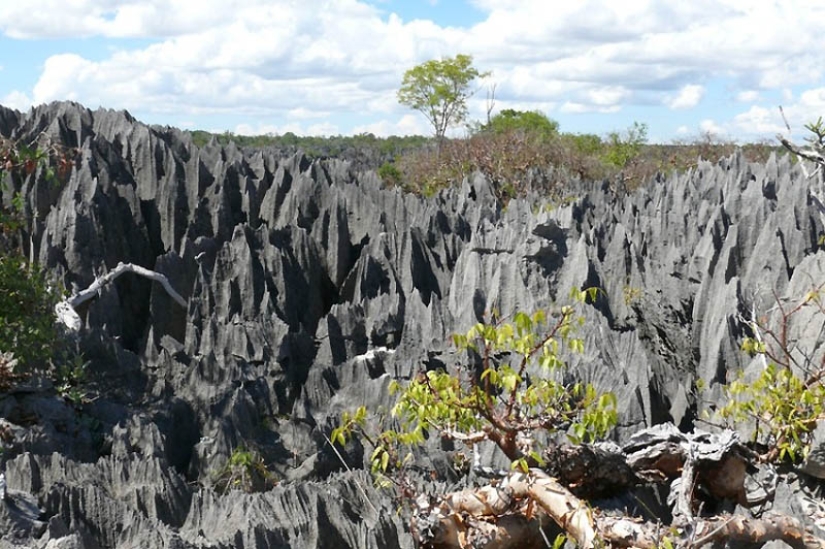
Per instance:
(814,464)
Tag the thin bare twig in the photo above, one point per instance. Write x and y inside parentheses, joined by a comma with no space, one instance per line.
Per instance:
(347,467)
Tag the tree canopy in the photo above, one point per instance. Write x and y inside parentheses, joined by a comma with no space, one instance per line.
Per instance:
(535,122)
(439,89)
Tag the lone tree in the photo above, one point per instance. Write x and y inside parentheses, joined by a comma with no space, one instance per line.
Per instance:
(440,89)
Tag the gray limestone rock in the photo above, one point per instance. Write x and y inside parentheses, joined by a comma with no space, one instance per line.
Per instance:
(310,286)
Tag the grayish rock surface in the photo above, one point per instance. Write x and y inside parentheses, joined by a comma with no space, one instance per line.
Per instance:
(310,286)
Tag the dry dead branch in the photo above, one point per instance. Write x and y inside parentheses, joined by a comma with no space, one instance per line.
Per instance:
(65,310)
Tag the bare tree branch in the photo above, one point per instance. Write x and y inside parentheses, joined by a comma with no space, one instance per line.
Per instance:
(121,268)
(65,310)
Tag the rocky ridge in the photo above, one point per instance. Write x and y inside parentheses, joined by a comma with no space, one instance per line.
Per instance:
(310,286)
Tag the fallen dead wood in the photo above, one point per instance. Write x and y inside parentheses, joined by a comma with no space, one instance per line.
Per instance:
(499,516)
(446,523)
(625,532)
(700,468)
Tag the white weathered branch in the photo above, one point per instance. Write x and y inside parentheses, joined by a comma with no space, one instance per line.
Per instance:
(758,335)
(463,517)
(468,438)
(569,512)
(808,154)
(121,268)
(626,532)
(65,310)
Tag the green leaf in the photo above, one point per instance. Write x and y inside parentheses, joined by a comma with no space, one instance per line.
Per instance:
(521,465)
(523,323)
(592,293)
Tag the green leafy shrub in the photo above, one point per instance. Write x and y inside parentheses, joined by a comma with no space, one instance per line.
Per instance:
(531,122)
(510,159)
(244,470)
(517,392)
(622,148)
(27,296)
(782,407)
(69,374)
(817,140)
(390,175)
(427,170)
(27,300)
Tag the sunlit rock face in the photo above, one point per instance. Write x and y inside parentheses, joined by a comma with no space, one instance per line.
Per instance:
(310,286)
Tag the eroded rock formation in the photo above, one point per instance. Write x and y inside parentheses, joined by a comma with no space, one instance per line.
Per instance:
(310,286)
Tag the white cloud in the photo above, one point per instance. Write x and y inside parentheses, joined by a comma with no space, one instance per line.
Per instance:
(709,126)
(301,113)
(408,124)
(814,98)
(805,109)
(64,74)
(574,107)
(764,123)
(608,96)
(759,120)
(324,128)
(129,18)
(687,98)
(264,129)
(314,61)
(748,96)
(262,57)
(16,100)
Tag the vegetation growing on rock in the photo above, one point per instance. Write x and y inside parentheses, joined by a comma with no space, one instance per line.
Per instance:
(509,390)
(27,293)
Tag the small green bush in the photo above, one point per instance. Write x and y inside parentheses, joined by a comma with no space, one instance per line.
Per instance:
(27,321)
(390,174)
(70,375)
(531,122)
(622,148)
(27,296)
(501,403)
(245,470)
(782,407)
(784,410)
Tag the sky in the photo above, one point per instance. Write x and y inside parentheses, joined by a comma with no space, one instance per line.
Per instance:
(333,67)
